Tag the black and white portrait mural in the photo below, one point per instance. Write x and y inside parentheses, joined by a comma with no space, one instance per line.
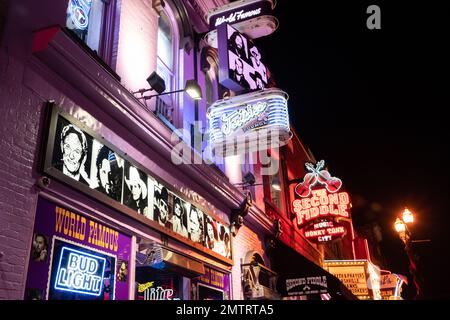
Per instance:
(78,156)
(135,191)
(72,151)
(195,224)
(210,233)
(106,171)
(240,62)
(224,243)
(180,216)
(161,205)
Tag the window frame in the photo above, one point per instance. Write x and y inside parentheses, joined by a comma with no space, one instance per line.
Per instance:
(108,38)
(176,73)
(267,186)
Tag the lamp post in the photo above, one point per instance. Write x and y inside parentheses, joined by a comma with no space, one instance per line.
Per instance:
(401,226)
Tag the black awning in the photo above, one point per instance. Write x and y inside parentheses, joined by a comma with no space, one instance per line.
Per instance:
(298,276)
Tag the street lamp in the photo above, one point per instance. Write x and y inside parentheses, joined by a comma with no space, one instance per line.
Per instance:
(405,235)
(408,216)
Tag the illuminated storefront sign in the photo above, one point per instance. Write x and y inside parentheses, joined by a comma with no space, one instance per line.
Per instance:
(231,14)
(213,285)
(250,17)
(80,272)
(78,157)
(241,65)
(307,286)
(156,284)
(76,257)
(316,176)
(250,121)
(391,285)
(324,231)
(78,13)
(156,293)
(241,117)
(321,204)
(361,277)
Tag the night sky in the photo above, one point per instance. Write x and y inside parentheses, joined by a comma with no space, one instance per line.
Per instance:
(371,103)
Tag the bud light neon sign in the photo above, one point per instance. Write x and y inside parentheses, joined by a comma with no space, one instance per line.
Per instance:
(80,272)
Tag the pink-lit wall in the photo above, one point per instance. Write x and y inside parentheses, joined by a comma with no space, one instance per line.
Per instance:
(138,38)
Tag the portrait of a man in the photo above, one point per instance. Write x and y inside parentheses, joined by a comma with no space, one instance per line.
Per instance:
(237,74)
(39,251)
(71,151)
(109,173)
(135,193)
(161,205)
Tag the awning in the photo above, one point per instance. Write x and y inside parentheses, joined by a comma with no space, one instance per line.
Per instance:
(162,258)
(298,276)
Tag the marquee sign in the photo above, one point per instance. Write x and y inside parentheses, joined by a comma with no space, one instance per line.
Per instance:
(232,14)
(321,204)
(361,277)
(250,17)
(254,121)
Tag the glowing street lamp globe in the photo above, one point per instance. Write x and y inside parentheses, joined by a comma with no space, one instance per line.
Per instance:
(408,216)
(399,226)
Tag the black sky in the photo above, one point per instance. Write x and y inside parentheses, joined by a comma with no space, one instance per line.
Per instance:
(372,104)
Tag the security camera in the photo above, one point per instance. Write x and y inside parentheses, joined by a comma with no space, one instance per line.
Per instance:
(44,182)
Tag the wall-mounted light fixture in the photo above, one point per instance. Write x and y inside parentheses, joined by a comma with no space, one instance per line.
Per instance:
(157,84)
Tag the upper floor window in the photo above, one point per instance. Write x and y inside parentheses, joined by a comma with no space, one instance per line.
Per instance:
(167,49)
(169,65)
(274,183)
(92,21)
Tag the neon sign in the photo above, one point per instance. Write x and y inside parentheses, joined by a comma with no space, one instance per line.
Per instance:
(248,119)
(321,205)
(235,13)
(324,231)
(156,293)
(80,272)
(78,12)
(315,176)
(241,117)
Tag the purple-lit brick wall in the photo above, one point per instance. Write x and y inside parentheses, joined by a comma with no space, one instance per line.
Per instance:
(19,121)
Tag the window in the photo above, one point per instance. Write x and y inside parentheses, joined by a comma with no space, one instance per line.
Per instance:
(167,49)
(92,22)
(275,191)
(273,184)
(167,63)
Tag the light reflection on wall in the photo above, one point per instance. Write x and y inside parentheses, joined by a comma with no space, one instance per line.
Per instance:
(137,44)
